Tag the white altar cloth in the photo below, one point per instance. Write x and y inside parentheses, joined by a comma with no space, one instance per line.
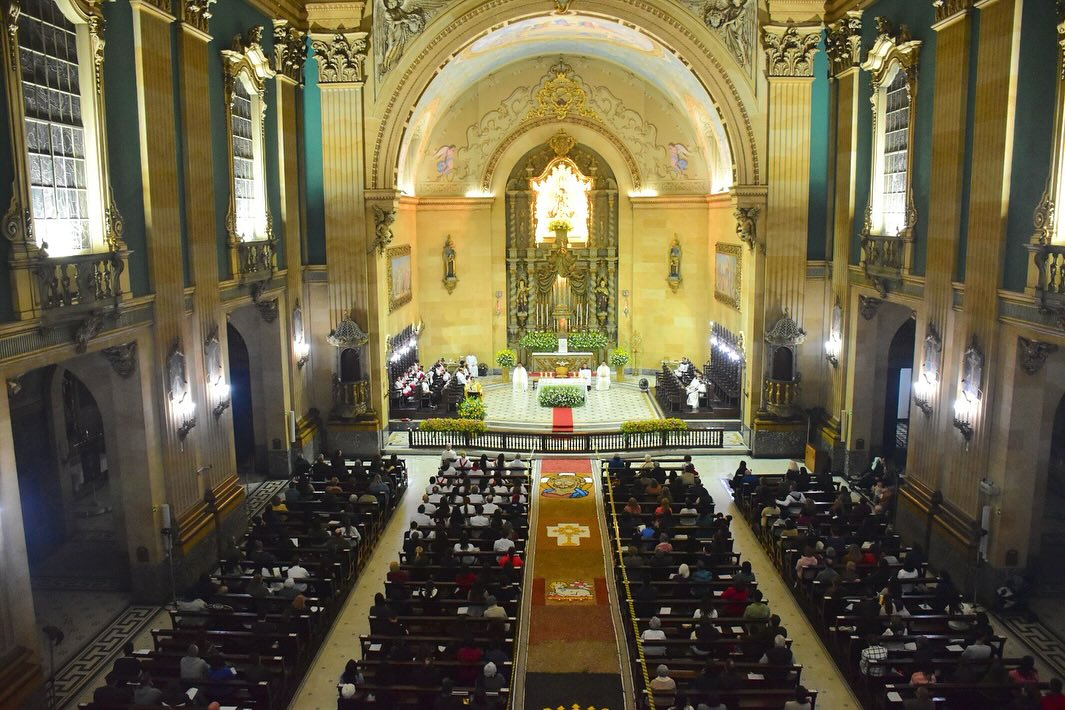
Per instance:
(574,382)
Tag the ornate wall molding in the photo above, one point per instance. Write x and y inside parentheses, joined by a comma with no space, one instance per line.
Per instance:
(383,220)
(843,43)
(1034,354)
(268,310)
(735,22)
(123,358)
(747,225)
(868,306)
(197,14)
(290,50)
(341,57)
(790,49)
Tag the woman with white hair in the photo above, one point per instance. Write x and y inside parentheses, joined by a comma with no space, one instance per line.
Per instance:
(652,634)
(663,687)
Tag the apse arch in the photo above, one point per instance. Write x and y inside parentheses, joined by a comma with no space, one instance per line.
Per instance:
(696,55)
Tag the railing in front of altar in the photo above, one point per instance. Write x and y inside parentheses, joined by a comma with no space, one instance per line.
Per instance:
(576,443)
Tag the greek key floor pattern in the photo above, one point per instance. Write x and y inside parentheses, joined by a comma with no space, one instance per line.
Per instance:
(88,663)
(261,495)
(1039,638)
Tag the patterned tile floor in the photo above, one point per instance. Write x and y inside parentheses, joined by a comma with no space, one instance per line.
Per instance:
(620,403)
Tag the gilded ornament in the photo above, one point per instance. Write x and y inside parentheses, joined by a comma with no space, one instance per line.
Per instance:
(341,57)
(946,9)
(560,96)
(290,50)
(11,18)
(789,52)
(746,225)
(383,220)
(197,13)
(1044,218)
(562,143)
(123,358)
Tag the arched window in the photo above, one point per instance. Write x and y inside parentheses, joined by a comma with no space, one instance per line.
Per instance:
(250,233)
(56,51)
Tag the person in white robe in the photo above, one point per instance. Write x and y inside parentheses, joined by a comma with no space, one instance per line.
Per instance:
(520,379)
(471,365)
(602,378)
(585,376)
(460,377)
(693,389)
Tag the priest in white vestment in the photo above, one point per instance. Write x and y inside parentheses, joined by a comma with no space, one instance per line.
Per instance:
(471,365)
(585,376)
(693,389)
(602,378)
(520,379)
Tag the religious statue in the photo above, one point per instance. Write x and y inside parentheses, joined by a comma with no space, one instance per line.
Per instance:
(383,221)
(450,279)
(602,300)
(745,225)
(674,264)
(521,300)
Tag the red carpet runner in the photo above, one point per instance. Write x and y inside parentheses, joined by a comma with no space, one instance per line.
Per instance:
(562,420)
(572,652)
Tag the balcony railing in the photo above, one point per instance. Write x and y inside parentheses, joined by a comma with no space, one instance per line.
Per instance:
(350,399)
(781,397)
(569,443)
(1050,281)
(71,286)
(883,258)
(255,260)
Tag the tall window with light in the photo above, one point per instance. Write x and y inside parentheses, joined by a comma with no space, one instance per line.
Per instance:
(248,183)
(895,153)
(61,159)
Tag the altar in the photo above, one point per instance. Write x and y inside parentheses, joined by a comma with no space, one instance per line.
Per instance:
(579,386)
(562,363)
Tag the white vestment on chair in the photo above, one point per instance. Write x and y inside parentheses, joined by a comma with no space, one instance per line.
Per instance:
(602,378)
(520,379)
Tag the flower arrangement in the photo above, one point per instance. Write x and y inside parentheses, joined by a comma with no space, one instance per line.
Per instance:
(561,396)
(539,341)
(472,408)
(647,426)
(587,340)
(506,358)
(619,357)
(559,224)
(458,426)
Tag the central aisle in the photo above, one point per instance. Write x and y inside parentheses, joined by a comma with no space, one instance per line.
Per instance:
(572,650)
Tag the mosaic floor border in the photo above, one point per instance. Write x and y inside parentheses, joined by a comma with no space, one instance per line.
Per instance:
(1039,639)
(87,664)
(262,494)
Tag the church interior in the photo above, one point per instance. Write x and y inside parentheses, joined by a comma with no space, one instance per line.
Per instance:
(508,354)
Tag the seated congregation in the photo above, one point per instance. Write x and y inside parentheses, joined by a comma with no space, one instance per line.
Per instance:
(696,615)
(244,634)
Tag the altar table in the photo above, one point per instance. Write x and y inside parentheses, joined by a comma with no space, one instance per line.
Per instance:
(548,362)
(575,382)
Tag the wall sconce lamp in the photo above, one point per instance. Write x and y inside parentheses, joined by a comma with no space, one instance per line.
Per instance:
(302,350)
(186,414)
(972,374)
(221,391)
(832,349)
(923,389)
(962,409)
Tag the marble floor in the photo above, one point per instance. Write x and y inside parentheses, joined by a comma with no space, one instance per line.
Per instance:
(621,402)
(318,690)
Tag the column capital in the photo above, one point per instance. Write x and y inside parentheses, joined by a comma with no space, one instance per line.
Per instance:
(843,43)
(196,15)
(790,49)
(290,51)
(947,10)
(341,57)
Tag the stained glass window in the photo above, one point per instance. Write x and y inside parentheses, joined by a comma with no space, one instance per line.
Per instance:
(55,130)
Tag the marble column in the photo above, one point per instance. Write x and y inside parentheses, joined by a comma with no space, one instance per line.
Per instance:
(749,205)
(925,462)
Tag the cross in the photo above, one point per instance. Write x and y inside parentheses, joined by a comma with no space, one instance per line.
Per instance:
(568,534)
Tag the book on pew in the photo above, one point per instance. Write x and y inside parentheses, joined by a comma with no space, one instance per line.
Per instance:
(755,676)
(295,541)
(955,648)
(665,610)
(375,647)
(894,697)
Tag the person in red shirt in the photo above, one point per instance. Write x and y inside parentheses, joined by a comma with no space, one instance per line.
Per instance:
(1053,700)
(735,593)
(470,657)
(463,581)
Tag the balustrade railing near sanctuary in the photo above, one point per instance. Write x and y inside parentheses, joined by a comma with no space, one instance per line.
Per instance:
(576,443)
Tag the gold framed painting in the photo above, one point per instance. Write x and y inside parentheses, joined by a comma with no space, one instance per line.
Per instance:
(727,269)
(400,285)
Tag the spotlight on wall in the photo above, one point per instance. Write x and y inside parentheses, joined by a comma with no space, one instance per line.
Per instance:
(832,349)
(302,350)
(221,392)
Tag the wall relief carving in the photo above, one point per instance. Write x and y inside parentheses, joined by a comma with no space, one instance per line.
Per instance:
(790,50)
(395,24)
(735,22)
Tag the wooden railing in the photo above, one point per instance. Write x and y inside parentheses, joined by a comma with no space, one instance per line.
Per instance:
(781,396)
(1050,265)
(576,443)
(350,399)
(79,284)
(883,258)
(255,260)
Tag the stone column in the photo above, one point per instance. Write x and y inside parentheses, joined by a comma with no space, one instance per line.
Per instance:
(341,54)
(993,125)
(215,434)
(161,173)
(925,463)
(749,205)
(843,44)
(289,54)
(18,633)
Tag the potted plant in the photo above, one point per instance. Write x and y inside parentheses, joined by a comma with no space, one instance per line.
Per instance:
(619,357)
(506,359)
(472,408)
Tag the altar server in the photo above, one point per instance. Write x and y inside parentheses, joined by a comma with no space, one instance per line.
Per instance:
(520,379)
(602,378)
(471,365)
(585,376)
